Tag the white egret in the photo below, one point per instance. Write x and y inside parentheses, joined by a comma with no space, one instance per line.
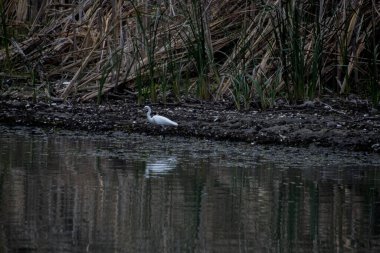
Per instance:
(158,120)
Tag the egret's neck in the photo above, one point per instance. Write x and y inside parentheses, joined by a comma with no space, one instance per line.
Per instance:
(148,115)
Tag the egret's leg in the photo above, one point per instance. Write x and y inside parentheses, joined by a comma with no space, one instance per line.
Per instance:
(163,132)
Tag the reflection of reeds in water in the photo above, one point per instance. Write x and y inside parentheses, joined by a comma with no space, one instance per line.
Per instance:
(76,192)
(241,49)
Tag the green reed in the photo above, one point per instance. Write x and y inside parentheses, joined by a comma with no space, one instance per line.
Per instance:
(302,62)
(343,62)
(316,63)
(194,39)
(374,82)
(171,78)
(147,29)
(373,63)
(240,91)
(296,43)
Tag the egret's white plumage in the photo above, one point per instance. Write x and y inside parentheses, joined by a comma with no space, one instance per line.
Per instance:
(159,120)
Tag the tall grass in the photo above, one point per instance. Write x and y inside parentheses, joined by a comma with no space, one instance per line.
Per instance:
(373,59)
(246,51)
(4,38)
(194,39)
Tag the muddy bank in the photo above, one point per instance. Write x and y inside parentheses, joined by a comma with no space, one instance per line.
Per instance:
(339,123)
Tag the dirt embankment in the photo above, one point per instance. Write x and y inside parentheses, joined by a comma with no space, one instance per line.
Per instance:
(340,123)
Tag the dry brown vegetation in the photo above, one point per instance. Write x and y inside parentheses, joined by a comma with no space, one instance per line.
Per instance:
(243,50)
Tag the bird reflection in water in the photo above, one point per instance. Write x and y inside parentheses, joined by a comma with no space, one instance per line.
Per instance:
(159,166)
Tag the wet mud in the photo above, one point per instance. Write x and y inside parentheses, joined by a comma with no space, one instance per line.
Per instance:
(350,124)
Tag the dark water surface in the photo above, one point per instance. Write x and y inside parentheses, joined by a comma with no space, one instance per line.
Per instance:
(79,192)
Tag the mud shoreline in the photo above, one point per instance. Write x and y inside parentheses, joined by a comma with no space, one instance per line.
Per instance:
(349,124)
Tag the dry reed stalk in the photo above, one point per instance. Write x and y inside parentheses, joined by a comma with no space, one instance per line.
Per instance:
(80,40)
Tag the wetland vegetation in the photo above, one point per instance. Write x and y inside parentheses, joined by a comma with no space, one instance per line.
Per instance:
(248,52)
(292,73)
(289,72)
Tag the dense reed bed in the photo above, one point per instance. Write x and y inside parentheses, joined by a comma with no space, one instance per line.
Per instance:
(245,51)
